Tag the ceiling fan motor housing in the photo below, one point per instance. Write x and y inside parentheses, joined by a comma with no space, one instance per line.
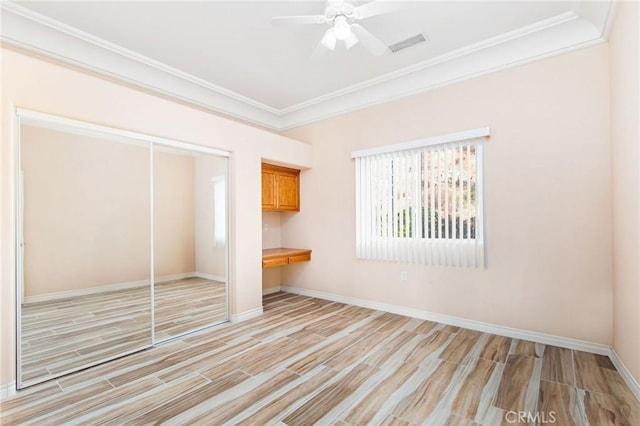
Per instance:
(336,9)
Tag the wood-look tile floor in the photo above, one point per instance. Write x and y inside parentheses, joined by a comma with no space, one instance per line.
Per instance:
(62,335)
(188,304)
(309,361)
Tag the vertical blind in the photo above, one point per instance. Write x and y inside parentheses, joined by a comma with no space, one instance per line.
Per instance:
(421,205)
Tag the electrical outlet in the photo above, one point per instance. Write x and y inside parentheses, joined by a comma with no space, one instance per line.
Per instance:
(403,275)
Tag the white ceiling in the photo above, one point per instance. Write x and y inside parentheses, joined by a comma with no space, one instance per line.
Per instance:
(227,56)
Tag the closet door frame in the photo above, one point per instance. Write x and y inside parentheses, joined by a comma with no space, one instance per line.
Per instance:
(54,121)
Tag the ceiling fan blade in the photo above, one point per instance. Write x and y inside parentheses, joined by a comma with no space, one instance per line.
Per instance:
(320,52)
(376,7)
(299,20)
(369,41)
(329,39)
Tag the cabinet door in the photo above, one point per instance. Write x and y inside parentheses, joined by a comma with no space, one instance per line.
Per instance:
(268,190)
(288,194)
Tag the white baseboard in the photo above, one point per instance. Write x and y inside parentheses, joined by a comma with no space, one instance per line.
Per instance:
(633,384)
(181,276)
(7,390)
(247,315)
(105,288)
(547,339)
(270,290)
(85,291)
(211,277)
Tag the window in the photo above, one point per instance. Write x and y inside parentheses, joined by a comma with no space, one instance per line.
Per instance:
(421,201)
(220,211)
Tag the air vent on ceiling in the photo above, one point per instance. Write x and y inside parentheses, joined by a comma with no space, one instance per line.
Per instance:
(420,38)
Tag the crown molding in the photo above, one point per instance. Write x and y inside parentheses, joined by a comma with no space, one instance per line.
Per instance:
(466,50)
(588,23)
(571,35)
(27,30)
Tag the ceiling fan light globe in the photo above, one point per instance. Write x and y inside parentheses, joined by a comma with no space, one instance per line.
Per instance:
(350,41)
(342,28)
(329,39)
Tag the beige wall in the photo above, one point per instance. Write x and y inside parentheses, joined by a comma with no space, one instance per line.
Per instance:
(271,238)
(173,213)
(86,211)
(625,141)
(547,205)
(39,85)
(86,215)
(271,232)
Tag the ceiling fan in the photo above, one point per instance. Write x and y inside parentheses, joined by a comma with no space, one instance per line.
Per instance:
(342,18)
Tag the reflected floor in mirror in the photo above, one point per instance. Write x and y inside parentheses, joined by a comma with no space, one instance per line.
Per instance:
(188,304)
(66,334)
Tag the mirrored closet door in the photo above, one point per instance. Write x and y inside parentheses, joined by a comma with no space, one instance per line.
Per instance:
(85,295)
(101,215)
(190,247)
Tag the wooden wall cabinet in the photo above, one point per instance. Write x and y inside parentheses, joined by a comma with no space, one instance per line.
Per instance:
(280,189)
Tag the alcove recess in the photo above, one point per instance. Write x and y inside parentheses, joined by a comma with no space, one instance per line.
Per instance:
(280,196)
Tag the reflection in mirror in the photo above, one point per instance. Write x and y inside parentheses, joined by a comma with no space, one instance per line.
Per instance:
(190,243)
(84,221)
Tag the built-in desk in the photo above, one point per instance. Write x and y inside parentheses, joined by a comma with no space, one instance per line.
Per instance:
(284,256)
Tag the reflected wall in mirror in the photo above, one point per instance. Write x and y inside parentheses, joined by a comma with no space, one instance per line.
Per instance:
(102,214)
(85,227)
(190,248)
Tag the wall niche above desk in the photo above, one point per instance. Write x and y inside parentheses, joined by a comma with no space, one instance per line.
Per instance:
(280,193)
(280,189)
